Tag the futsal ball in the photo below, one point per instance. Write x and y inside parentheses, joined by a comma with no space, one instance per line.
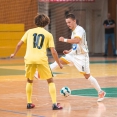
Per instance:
(65,91)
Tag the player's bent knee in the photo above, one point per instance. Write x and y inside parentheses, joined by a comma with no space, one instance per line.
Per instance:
(50,80)
(29,81)
(86,76)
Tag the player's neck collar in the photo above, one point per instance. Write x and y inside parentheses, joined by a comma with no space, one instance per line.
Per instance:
(40,27)
(75,27)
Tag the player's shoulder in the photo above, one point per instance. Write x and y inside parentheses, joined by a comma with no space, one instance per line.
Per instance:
(29,30)
(47,33)
(80,28)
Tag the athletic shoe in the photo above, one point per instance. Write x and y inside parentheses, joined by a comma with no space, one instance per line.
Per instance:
(57,106)
(101,96)
(36,75)
(29,106)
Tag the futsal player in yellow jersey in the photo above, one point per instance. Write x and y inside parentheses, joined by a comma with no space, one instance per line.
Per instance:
(38,40)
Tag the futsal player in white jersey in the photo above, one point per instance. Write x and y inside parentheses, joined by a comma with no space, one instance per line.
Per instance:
(78,55)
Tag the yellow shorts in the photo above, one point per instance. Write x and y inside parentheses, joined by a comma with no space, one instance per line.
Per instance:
(43,70)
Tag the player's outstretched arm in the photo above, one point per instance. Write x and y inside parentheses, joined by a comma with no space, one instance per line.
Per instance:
(17,49)
(55,56)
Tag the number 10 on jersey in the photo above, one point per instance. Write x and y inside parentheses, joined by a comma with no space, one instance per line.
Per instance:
(37,43)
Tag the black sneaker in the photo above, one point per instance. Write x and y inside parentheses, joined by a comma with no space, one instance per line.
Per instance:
(29,106)
(57,106)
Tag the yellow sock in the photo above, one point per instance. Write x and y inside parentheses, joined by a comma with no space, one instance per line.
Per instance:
(52,91)
(29,92)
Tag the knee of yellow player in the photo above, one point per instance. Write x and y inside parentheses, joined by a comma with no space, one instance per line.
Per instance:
(29,80)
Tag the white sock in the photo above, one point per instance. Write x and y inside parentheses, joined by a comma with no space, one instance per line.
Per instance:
(53,65)
(95,84)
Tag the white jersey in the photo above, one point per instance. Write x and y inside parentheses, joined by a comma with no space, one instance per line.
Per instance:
(81,47)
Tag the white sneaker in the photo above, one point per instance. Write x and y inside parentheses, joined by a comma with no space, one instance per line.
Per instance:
(101,96)
(36,75)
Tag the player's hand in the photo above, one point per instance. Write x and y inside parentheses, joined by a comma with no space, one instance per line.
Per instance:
(61,39)
(12,56)
(61,66)
(66,51)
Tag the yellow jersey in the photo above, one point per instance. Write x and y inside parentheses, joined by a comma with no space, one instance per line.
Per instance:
(38,40)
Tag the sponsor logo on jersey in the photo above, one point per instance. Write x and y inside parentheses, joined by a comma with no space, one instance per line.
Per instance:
(74,46)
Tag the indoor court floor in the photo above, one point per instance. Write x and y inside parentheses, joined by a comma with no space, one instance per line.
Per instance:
(81,103)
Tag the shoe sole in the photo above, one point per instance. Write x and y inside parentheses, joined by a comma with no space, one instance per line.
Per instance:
(57,109)
(30,107)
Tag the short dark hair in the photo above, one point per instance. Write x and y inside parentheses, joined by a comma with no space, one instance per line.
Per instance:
(41,20)
(70,15)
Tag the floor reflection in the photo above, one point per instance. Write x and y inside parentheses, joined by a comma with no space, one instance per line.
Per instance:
(97,111)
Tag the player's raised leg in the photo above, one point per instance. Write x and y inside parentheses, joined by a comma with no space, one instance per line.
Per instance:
(82,64)
(63,61)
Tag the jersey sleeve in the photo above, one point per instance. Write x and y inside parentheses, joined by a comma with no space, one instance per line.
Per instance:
(51,41)
(24,38)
